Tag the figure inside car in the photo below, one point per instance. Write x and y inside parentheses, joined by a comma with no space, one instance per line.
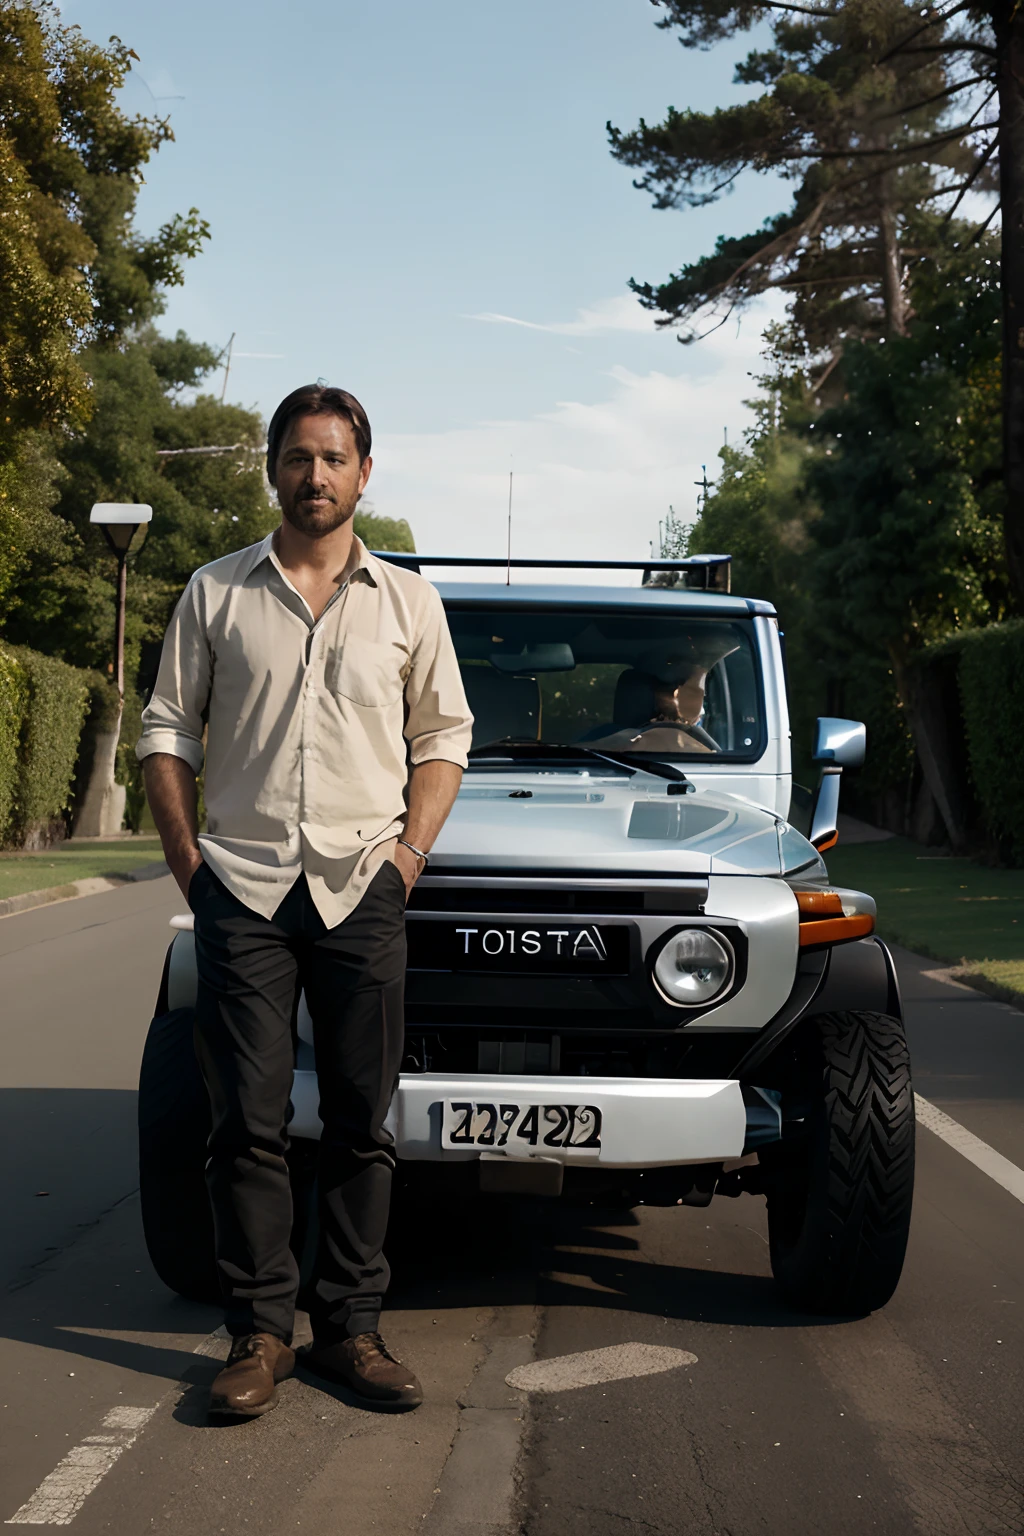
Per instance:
(657,713)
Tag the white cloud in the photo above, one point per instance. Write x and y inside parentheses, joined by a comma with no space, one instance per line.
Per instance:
(621,313)
(591,480)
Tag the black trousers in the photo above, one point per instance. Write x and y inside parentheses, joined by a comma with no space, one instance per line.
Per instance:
(250,971)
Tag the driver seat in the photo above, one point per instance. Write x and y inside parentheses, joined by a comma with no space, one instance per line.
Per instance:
(634,698)
(633,704)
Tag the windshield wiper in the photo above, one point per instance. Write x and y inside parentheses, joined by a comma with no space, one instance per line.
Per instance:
(528,747)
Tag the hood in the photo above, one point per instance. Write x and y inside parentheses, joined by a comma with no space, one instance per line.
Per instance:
(579,822)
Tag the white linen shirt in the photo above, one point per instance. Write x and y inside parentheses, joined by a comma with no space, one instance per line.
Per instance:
(311,725)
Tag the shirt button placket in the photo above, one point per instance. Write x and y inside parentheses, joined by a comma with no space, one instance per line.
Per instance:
(308,723)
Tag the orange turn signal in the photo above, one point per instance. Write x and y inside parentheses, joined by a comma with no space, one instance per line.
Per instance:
(822,920)
(834,930)
(815,904)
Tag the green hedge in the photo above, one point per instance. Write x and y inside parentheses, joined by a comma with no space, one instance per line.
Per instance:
(990,674)
(43,704)
(128,770)
(13,702)
(50,733)
(102,710)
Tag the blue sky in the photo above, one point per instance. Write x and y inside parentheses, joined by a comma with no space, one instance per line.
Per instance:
(417,201)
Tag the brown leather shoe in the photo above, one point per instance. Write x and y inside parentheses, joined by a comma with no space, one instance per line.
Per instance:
(247,1386)
(368,1368)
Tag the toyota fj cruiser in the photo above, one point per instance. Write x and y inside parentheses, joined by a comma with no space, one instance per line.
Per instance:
(629,974)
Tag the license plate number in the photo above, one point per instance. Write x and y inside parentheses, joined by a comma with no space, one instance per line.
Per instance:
(518,1127)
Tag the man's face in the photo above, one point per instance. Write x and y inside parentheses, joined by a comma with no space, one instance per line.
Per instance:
(684,701)
(319,476)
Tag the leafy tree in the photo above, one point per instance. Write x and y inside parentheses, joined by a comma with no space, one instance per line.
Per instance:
(146,410)
(906,474)
(73,269)
(378,532)
(874,526)
(30,479)
(762,514)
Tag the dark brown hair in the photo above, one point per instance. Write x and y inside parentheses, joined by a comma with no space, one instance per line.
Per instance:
(314,400)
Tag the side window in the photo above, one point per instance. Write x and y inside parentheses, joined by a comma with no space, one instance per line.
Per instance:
(744,701)
(718,710)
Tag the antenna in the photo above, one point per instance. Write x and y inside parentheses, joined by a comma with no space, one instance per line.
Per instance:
(227,366)
(508,569)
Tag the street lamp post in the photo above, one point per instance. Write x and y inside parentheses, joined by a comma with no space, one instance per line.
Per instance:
(119,522)
(102,807)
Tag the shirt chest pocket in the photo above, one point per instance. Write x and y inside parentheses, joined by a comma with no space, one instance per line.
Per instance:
(368,673)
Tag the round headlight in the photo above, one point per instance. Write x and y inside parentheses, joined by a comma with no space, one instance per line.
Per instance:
(694,966)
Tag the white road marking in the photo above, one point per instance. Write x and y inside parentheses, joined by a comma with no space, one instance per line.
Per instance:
(976,1151)
(62,1493)
(618,1362)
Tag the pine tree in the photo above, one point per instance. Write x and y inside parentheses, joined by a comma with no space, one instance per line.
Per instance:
(885,115)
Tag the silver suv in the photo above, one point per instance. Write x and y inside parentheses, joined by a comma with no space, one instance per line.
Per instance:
(630,978)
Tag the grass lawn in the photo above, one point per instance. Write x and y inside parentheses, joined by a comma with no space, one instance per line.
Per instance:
(951,909)
(21,872)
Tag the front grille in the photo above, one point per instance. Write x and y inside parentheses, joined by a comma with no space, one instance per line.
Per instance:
(434,894)
(502,899)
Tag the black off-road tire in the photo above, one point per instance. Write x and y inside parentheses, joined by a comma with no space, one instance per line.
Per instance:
(174,1126)
(840,1196)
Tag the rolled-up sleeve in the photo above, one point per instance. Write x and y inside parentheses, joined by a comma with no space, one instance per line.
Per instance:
(438,722)
(174,718)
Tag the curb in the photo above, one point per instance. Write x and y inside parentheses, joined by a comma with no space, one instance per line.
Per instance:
(982,983)
(962,971)
(479,1485)
(28,900)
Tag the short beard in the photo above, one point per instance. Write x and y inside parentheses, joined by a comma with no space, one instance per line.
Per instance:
(316,523)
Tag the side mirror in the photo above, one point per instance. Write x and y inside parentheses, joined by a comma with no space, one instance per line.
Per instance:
(838,744)
(842,742)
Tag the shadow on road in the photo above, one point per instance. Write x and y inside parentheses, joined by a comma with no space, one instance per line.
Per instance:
(75,1275)
(504,1250)
(85,1287)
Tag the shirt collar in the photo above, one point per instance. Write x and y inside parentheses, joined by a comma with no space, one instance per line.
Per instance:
(366,565)
(363,565)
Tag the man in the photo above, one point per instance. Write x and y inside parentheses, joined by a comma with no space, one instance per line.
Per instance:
(336,735)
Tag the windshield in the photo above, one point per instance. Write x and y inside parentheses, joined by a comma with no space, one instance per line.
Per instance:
(630,683)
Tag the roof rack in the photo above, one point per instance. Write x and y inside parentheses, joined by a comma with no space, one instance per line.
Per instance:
(702,573)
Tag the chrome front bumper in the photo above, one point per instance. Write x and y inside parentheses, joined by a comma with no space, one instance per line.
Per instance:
(647,1122)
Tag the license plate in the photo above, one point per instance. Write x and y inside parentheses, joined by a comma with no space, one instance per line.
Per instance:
(518,1127)
(552,949)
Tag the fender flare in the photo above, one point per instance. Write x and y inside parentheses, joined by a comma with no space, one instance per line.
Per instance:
(857,977)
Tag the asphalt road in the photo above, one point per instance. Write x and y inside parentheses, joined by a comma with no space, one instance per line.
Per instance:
(907,1421)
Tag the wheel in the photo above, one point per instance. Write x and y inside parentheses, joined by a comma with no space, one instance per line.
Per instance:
(839,1197)
(174,1125)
